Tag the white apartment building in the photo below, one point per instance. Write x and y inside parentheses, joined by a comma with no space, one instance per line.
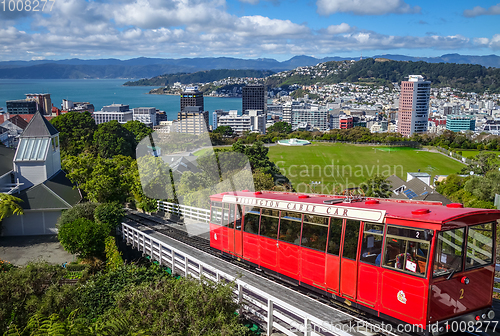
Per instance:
(146,115)
(252,121)
(118,112)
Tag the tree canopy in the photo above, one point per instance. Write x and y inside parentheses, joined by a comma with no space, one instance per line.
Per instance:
(76,131)
(111,139)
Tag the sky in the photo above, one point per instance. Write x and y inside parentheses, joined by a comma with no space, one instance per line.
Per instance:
(279,29)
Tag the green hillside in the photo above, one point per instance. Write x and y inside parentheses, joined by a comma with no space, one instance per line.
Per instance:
(198,77)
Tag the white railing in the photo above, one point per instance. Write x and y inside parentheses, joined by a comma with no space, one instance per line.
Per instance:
(185,210)
(274,312)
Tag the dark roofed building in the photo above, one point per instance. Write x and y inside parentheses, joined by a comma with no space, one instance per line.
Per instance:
(414,189)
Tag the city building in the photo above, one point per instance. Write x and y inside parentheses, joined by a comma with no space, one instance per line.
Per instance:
(192,97)
(118,112)
(253,121)
(70,106)
(192,120)
(346,122)
(316,117)
(254,97)
(15,126)
(43,102)
(413,105)
(491,126)
(146,115)
(215,117)
(21,106)
(457,123)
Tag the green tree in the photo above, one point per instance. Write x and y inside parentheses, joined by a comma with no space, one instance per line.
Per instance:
(482,163)
(377,186)
(81,210)
(138,129)
(83,237)
(76,131)
(113,139)
(9,206)
(225,131)
(280,127)
(109,215)
(262,181)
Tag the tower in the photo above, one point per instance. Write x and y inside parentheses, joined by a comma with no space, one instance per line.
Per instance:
(192,97)
(254,98)
(38,154)
(413,105)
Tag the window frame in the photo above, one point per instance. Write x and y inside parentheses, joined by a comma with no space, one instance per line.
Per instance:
(493,242)
(381,246)
(407,239)
(435,257)
(327,226)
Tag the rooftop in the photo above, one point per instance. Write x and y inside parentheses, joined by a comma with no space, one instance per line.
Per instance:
(39,127)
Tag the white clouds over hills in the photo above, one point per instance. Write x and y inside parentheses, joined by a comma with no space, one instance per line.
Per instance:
(202,28)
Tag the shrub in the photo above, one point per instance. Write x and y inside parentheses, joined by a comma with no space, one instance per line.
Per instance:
(82,210)
(83,237)
(109,214)
(113,256)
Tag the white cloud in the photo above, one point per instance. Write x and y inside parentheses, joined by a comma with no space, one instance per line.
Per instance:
(339,29)
(478,10)
(493,43)
(365,7)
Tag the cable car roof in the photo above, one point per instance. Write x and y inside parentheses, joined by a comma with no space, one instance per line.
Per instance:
(366,209)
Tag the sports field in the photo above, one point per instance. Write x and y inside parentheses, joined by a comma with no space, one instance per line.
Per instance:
(349,165)
(471,153)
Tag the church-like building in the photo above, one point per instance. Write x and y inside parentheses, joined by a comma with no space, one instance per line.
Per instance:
(33,173)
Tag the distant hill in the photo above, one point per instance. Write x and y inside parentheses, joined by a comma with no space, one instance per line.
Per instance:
(198,77)
(144,67)
(382,71)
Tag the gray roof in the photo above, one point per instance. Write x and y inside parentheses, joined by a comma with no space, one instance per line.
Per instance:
(415,189)
(55,193)
(6,158)
(39,127)
(3,130)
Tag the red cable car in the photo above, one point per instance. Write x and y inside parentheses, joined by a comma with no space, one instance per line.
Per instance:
(412,262)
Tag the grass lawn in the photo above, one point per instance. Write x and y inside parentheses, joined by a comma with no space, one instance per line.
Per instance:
(470,153)
(349,165)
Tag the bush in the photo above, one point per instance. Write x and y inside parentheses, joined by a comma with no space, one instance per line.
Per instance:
(109,214)
(82,210)
(83,237)
(113,256)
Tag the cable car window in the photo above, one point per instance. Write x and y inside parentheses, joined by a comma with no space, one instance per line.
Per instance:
(315,232)
(251,221)
(290,226)
(216,213)
(479,245)
(238,217)
(269,223)
(449,251)
(371,247)
(226,215)
(335,236)
(407,254)
(351,239)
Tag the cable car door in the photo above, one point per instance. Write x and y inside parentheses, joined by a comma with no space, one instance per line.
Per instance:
(238,235)
(333,255)
(348,260)
(228,222)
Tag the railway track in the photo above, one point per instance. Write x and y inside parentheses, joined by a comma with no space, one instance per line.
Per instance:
(203,244)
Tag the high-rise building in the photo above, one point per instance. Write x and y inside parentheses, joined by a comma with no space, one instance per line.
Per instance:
(192,120)
(413,105)
(315,116)
(192,97)
(43,102)
(254,98)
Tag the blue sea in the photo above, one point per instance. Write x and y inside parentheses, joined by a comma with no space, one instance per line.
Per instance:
(101,92)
